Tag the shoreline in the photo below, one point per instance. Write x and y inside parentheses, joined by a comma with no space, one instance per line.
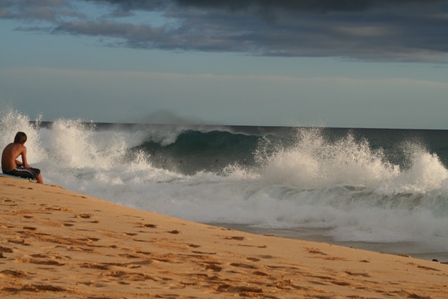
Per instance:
(60,243)
(397,248)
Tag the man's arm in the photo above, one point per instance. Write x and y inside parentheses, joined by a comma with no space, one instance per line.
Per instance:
(24,160)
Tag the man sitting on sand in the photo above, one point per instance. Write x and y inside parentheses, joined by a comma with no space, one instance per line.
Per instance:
(14,167)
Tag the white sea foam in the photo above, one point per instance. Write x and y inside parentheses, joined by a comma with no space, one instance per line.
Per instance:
(312,162)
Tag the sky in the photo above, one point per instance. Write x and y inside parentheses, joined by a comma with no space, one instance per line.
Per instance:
(344,63)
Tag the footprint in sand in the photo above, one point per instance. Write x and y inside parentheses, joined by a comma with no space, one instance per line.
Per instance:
(14,273)
(237,238)
(240,265)
(357,274)
(332,280)
(364,261)
(130,234)
(20,242)
(149,225)
(56,208)
(95,266)
(12,202)
(35,289)
(131,276)
(29,228)
(129,256)
(315,251)
(214,266)
(203,252)
(427,268)
(243,291)
(38,261)
(29,188)
(268,256)
(84,216)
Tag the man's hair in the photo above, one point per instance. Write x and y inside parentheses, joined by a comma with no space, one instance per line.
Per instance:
(20,138)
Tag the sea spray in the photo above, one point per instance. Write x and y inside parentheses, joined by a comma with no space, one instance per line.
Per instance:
(11,122)
(311,161)
(425,173)
(77,145)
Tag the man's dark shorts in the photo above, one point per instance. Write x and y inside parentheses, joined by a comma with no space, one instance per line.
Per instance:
(28,173)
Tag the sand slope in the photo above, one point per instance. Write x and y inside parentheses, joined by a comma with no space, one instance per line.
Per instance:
(56,244)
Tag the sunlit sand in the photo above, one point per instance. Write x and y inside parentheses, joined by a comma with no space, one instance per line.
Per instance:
(56,243)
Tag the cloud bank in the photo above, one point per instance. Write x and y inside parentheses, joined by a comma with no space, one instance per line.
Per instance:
(376,30)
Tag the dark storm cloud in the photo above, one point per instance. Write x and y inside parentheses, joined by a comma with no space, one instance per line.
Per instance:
(270,7)
(400,30)
(235,5)
(42,10)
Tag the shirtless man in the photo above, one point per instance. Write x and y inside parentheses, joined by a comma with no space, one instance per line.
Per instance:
(12,166)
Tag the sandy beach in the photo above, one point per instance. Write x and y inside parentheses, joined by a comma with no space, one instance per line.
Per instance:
(60,244)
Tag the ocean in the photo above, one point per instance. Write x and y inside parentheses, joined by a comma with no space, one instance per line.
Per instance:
(384,190)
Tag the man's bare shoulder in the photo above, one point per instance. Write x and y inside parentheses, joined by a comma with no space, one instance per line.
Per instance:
(15,148)
(9,147)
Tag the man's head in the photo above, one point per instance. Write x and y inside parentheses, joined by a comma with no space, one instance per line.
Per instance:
(20,138)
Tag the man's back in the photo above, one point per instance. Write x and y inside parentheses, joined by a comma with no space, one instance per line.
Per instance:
(10,154)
